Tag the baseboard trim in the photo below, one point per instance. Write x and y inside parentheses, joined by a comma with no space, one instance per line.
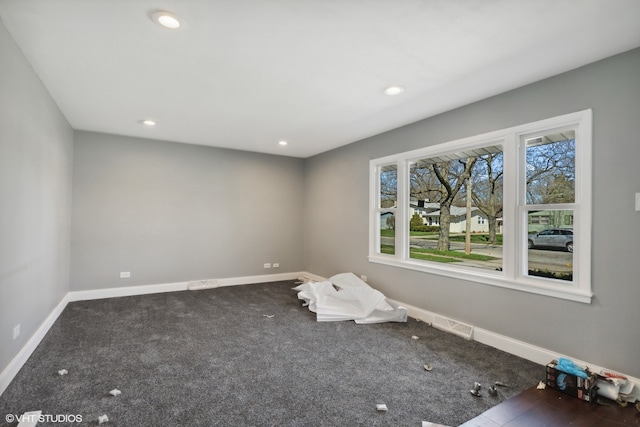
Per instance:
(247,280)
(126,291)
(522,349)
(178,286)
(518,348)
(305,276)
(417,313)
(12,369)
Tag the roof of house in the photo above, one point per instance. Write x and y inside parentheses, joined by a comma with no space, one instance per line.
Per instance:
(455,211)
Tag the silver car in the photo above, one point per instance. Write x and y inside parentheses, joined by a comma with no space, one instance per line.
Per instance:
(552,238)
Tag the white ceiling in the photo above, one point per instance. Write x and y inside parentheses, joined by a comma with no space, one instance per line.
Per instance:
(245,74)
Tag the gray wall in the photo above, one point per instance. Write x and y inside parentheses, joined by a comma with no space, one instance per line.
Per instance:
(169,212)
(35,200)
(604,332)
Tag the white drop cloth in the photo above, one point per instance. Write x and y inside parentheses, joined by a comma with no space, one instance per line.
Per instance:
(346,297)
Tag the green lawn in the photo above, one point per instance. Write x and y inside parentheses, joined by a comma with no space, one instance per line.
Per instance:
(475,238)
(391,233)
(435,255)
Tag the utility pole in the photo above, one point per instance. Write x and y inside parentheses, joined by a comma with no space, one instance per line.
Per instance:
(467,240)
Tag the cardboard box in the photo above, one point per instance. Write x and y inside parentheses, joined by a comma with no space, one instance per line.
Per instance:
(584,389)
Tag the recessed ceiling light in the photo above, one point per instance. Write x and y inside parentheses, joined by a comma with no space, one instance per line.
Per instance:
(283,143)
(166,19)
(394,90)
(148,122)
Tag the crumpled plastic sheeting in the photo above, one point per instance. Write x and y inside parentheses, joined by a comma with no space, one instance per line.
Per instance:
(567,366)
(346,297)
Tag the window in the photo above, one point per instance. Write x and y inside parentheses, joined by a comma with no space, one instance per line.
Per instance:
(529,188)
(387,184)
(441,184)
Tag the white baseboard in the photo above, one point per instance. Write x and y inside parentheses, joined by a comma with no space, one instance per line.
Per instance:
(527,351)
(522,349)
(126,291)
(305,276)
(12,369)
(518,348)
(178,286)
(539,355)
(246,280)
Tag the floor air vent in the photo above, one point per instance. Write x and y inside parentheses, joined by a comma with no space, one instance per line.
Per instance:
(203,284)
(450,325)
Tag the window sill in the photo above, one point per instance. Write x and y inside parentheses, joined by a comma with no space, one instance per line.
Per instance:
(488,277)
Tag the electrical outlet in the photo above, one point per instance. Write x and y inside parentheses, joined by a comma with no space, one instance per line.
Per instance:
(125,274)
(16,331)
(267,265)
(276,265)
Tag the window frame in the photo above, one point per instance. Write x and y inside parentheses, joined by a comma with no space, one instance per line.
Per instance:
(515,221)
(377,208)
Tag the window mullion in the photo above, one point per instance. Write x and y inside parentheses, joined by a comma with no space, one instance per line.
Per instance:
(510,212)
(402,214)
(374,203)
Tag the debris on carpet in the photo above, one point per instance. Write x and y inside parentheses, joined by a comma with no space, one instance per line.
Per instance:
(346,297)
(382,407)
(28,419)
(430,424)
(476,389)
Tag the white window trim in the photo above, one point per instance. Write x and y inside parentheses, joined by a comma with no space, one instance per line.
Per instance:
(514,266)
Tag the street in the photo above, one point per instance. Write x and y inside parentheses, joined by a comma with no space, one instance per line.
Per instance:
(553,260)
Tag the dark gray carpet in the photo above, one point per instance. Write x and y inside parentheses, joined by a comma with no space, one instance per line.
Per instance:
(214,358)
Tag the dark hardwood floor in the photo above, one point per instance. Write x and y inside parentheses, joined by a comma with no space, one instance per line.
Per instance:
(552,408)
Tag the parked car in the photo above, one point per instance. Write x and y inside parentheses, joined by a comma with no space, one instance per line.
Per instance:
(552,238)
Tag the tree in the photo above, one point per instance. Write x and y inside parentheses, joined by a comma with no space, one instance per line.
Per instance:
(440,182)
(416,221)
(467,239)
(557,188)
(391,222)
(452,175)
(388,187)
(551,171)
(423,185)
(487,193)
